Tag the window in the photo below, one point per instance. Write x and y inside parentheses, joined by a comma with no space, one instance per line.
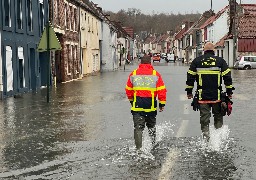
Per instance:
(77,64)
(246,58)
(222,53)
(57,12)
(19,14)
(21,67)
(66,16)
(75,19)
(30,15)
(69,56)
(97,27)
(9,68)
(71,16)
(92,25)
(7,14)
(41,6)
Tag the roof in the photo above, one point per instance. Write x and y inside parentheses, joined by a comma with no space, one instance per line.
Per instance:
(213,18)
(180,33)
(251,8)
(129,31)
(149,39)
(247,26)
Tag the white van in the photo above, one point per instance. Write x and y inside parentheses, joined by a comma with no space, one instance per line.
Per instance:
(245,62)
(170,57)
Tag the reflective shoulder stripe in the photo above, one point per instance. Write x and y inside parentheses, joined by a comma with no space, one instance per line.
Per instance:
(225,72)
(128,88)
(191,72)
(229,86)
(154,72)
(160,88)
(134,72)
(190,87)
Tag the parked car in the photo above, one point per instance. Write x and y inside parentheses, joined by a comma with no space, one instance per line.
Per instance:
(170,57)
(163,55)
(156,57)
(245,62)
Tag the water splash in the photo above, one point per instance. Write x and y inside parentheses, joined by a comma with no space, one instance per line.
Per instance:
(219,139)
(163,130)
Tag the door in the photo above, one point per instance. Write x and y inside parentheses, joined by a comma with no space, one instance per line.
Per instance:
(58,66)
(9,69)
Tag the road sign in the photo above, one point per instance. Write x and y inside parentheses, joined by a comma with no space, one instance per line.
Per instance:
(54,43)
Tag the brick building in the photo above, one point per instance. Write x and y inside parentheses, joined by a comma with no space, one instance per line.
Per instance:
(64,16)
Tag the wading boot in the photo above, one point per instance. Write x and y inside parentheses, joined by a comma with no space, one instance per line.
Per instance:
(206,133)
(152,135)
(138,139)
(206,136)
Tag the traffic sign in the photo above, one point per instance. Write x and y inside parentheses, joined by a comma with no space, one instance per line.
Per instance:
(54,43)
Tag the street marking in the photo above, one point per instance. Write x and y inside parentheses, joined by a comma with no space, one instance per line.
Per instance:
(172,155)
(186,108)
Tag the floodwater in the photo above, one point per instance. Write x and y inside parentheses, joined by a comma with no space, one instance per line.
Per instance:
(85,132)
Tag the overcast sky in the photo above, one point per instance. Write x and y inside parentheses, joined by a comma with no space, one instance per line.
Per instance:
(166,6)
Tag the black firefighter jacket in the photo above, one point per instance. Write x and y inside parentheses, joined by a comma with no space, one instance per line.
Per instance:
(209,71)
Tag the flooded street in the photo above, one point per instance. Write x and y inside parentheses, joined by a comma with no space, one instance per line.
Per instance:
(86,132)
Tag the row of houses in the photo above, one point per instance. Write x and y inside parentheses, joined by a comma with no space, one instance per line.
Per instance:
(156,43)
(232,30)
(90,43)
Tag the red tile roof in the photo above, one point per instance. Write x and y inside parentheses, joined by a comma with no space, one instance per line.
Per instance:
(213,18)
(251,8)
(149,39)
(180,33)
(247,27)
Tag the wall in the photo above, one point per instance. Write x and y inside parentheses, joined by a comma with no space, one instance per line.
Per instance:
(221,27)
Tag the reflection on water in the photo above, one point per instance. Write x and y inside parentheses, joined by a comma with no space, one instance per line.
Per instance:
(61,140)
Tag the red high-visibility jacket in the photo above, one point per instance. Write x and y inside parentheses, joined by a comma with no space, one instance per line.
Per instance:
(143,86)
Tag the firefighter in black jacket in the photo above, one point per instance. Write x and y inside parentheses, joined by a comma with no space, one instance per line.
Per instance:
(208,71)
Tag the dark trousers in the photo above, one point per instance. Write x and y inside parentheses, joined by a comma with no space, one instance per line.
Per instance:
(140,121)
(205,114)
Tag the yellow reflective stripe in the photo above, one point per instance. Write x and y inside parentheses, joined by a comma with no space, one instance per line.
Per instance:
(229,86)
(218,94)
(135,99)
(153,100)
(154,72)
(128,88)
(208,72)
(162,102)
(190,87)
(200,80)
(200,94)
(225,72)
(134,72)
(191,72)
(144,88)
(144,110)
(160,88)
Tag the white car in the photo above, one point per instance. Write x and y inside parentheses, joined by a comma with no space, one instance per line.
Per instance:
(170,57)
(245,62)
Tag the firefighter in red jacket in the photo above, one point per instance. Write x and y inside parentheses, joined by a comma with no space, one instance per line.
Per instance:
(143,86)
